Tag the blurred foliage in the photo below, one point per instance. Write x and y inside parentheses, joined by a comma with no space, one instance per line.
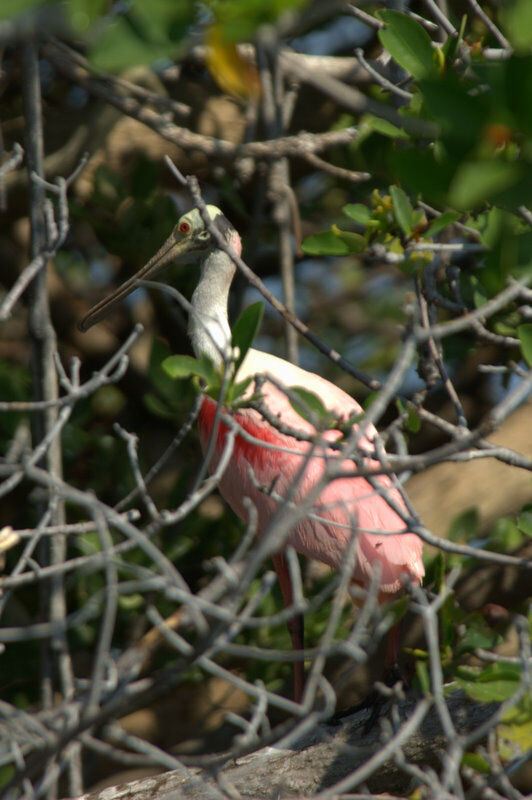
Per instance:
(478,170)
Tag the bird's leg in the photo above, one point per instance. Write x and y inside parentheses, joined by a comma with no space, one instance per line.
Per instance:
(376,701)
(295,625)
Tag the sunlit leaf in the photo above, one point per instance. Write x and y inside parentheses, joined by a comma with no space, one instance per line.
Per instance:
(309,406)
(357,212)
(517,19)
(476,762)
(232,72)
(408,43)
(185,366)
(494,684)
(325,244)
(441,222)
(246,328)
(402,209)
(355,242)
(381,126)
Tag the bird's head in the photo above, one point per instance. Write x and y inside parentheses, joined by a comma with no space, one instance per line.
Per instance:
(189,239)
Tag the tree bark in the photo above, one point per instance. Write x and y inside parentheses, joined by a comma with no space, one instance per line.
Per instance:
(319,760)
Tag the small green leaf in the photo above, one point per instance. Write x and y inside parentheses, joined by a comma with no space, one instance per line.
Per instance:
(130,602)
(413,422)
(236,390)
(402,209)
(358,212)
(451,44)
(245,329)
(494,684)
(464,526)
(525,336)
(381,126)
(473,638)
(309,406)
(476,762)
(408,43)
(354,241)
(157,406)
(524,521)
(441,222)
(325,244)
(422,673)
(505,536)
(178,367)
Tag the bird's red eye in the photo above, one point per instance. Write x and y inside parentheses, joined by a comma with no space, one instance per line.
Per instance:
(184,227)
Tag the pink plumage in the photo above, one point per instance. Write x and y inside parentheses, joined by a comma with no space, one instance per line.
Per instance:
(346,505)
(382,538)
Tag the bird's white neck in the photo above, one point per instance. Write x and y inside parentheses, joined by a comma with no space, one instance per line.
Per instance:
(208,323)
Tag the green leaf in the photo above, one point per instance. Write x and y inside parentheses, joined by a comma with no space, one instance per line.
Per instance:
(358,212)
(505,536)
(309,406)
(476,762)
(494,684)
(525,336)
(325,244)
(354,241)
(464,526)
(517,20)
(408,43)
(441,222)
(236,390)
(178,367)
(413,422)
(245,329)
(370,123)
(12,8)
(450,46)
(402,209)
(157,406)
(474,638)
(524,521)
(478,181)
(422,673)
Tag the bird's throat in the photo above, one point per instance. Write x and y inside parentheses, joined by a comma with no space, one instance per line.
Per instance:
(208,325)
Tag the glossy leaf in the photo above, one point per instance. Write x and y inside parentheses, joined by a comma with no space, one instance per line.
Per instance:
(408,43)
(246,328)
(402,209)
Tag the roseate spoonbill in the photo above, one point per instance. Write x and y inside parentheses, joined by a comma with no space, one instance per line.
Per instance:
(347,506)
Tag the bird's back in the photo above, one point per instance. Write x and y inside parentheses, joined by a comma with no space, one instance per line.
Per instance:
(266,462)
